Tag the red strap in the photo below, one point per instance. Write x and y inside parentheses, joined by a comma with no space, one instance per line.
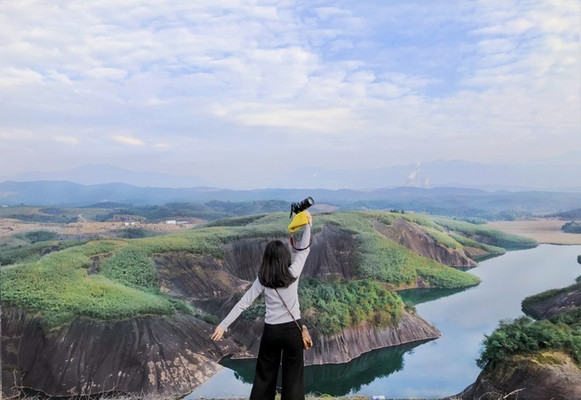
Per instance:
(292,242)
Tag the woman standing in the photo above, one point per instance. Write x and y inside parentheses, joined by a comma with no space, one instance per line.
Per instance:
(278,279)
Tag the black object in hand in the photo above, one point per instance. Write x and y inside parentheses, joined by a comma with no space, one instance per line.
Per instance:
(301,206)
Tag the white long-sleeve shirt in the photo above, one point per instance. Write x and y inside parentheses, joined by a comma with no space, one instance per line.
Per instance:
(276,312)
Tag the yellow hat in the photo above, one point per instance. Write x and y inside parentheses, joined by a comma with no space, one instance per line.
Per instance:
(298,221)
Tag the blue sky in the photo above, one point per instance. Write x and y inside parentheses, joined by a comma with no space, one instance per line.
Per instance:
(240,93)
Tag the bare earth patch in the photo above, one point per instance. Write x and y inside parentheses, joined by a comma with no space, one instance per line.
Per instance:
(542,230)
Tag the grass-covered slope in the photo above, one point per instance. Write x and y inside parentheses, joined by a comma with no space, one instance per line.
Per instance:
(485,235)
(116,279)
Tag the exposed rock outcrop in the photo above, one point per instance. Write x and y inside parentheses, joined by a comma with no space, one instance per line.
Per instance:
(550,375)
(193,276)
(562,301)
(412,236)
(162,355)
(345,346)
(332,254)
(172,355)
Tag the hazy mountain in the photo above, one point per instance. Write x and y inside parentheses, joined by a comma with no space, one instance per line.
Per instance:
(444,201)
(93,174)
(561,173)
(557,173)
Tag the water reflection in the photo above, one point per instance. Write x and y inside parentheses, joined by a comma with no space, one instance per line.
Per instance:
(419,296)
(441,367)
(338,379)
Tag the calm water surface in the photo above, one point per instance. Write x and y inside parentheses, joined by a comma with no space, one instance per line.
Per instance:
(441,367)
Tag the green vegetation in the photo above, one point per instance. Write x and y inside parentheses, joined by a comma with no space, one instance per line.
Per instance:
(463,240)
(571,214)
(113,279)
(526,336)
(572,227)
(31,246)
(50,214)
(526,303)
(136,233)
(131,267)
(39,236)
(59,284)
(211,211)
(329,307)
(444,239)
(382,259)
(571,318)
(391,263)
(486,235)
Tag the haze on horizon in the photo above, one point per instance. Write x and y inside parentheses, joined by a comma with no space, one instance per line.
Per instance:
(240,94)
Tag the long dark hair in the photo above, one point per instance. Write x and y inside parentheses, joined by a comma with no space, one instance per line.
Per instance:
(274,271)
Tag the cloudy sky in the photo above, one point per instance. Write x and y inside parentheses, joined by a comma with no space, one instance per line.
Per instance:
(241,92)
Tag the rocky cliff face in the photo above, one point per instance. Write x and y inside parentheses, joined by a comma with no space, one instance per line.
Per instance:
(550,375)
(563,301)
(173,355)
(345,346)
(161,355)
(410,235)
(332,256)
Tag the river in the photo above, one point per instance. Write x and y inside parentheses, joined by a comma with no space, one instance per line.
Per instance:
(441,367)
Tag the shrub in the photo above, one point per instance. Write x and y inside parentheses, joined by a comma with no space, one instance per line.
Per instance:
(40,236)
(136,233)
(572,227)
(526,336)
(330,307)
(131,267)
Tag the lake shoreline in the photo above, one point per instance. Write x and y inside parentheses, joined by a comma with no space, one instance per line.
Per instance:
(543,230)
(462,332)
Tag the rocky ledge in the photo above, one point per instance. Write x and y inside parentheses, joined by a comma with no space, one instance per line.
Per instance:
(548,375)
(167,356)
(345,346)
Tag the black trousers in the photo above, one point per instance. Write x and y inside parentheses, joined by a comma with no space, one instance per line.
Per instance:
(279,341)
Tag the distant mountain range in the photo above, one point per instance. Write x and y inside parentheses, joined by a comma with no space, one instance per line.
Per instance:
(94,174)
(562,174)
(443,201)
(555,174)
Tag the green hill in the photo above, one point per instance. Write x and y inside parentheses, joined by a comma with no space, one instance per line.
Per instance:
(120,278)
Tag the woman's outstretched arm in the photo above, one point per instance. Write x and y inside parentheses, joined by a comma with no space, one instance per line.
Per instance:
(251,294)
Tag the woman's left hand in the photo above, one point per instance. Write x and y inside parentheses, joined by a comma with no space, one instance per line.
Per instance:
(309,217)
(218,333)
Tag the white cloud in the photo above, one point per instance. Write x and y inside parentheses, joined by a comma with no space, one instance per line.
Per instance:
(106,73)
(328,121)
(15,76)
(67,139)
(444,74)
(325,13)
(128,140)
